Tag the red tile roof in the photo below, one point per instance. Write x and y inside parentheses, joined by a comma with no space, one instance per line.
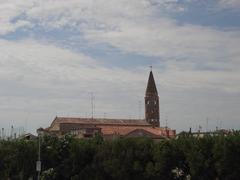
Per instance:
(121,130)
(99,121)
(120,127)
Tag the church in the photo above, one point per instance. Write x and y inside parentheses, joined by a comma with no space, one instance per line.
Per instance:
(112,128)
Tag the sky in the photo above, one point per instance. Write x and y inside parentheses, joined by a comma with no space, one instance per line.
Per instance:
(57,55)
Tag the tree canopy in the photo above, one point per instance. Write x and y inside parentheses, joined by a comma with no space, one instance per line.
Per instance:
(210,157)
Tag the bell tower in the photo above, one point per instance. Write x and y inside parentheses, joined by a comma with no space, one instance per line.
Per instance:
(152,102)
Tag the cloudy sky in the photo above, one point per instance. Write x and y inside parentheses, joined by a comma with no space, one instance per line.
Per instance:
(55,53)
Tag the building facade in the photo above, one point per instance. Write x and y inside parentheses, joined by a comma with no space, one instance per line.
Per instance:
(111,128)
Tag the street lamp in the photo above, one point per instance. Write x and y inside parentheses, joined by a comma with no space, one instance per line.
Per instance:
(38,163)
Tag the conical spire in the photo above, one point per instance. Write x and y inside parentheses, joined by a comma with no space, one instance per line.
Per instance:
(151,86)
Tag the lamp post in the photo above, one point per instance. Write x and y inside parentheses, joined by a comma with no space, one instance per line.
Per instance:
(38,163)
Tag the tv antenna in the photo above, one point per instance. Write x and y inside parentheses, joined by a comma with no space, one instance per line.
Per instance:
(207,125)
(11,133)
(92,104)
(3,133)
(139,109)
(166,121)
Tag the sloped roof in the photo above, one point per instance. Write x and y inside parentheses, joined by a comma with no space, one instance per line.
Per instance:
(151,86)
(122,130)
(99,121)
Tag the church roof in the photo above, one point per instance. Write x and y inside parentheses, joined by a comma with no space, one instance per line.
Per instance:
(122,130)
(97,121)
(151,86)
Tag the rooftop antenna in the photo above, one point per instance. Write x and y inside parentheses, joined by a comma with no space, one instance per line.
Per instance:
(130,116)
(207,125)
(218,124)
(92,103)
(139,109)
(166,121)
(11,135)
(199,128)
(2,133)
(26,122)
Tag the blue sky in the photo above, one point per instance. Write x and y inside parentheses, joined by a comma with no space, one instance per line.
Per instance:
(54,53)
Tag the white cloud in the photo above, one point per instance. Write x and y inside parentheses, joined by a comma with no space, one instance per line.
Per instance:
(78,13)
(9,12)
(133,27)
(41,63)
(234,4)
(39,81)
(163,38)
(46,81)
(184,76)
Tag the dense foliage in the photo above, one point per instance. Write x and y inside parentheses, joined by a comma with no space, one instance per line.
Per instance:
(186,157)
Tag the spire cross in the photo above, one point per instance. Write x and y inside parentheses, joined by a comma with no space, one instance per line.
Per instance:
(150,67)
